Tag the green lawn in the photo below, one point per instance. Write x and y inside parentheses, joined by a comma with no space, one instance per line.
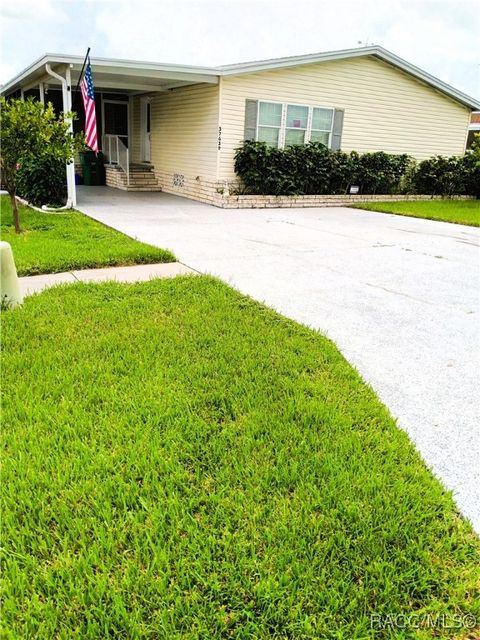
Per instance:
(183,463)
(52,242)
(458,211)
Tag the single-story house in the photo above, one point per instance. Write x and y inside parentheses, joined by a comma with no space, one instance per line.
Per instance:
(175,128)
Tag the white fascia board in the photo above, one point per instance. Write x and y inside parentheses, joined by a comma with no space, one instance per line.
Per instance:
(376,51)
(293,61)
(211,74)
(114,66)
(24,75)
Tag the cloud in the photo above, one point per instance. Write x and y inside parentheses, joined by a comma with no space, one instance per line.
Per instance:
(38,11)
(440,36)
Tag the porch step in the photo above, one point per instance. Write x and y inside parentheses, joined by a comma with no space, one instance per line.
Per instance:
(136,188)
(141,166)
(142,178)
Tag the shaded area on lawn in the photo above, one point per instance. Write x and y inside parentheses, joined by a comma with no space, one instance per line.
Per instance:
(457,211)
(182,462)
(56,242)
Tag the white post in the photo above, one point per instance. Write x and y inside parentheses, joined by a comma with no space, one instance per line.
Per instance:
(71,189)
(22,94)
(42,92)
(67,106)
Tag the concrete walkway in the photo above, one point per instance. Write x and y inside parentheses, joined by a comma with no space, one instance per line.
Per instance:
(137,273)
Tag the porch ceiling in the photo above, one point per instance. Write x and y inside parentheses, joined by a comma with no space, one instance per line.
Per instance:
(125,75)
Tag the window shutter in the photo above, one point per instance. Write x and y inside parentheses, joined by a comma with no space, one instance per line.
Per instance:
(337,129)
(251,108)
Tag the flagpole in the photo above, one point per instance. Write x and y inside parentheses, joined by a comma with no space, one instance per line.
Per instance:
(81,73)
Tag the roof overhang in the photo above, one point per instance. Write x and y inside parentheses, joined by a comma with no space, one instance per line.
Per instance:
(137,76)
(373,51)
(108,73)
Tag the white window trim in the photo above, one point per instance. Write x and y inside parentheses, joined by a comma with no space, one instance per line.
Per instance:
(329,131)
(309,119)
(283,122)
(269,126)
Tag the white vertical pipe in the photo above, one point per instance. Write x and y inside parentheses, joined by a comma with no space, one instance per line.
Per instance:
(67,106)
(71,187)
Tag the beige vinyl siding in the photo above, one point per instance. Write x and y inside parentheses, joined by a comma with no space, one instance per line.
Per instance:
(184,131)
(385,109)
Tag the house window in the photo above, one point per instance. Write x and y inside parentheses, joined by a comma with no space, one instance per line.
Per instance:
(322,120)
(269,122)
(281,125)
(296,124)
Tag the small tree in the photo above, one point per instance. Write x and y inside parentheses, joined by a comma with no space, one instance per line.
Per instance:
(30,130)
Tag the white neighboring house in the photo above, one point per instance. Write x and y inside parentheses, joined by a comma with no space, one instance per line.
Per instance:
(175,128)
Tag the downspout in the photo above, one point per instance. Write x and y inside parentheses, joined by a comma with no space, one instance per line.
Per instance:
(67,107)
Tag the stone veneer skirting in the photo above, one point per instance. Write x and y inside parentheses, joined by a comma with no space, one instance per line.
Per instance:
(113,178)
(217,193)
(182,185)
(274,202)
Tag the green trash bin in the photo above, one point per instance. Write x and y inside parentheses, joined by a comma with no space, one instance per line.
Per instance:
(93,170)
(87,162)
(100,161)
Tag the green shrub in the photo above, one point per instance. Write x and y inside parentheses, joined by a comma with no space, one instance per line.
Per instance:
(42,181)
(315,169)
(438,176)
(471,164)
(456,175)
(379,172)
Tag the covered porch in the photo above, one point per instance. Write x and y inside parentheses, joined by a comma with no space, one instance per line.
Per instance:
(124,91)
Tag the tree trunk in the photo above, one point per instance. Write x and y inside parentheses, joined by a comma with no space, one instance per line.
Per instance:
(16,217)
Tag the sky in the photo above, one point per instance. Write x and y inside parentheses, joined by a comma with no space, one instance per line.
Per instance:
(440,36)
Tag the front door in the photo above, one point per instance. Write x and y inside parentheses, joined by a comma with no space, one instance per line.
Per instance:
(146,126)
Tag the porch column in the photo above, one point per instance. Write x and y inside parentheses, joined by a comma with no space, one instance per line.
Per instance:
(41,90)
(67,107)
(71,187)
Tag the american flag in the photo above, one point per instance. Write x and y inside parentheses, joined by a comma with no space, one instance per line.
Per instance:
(89,104)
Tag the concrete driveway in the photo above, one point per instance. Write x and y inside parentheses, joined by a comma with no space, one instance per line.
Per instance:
(399,296)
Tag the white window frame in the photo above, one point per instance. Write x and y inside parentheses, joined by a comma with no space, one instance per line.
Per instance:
(330,132)
(309,120)
(270,126)
(283,122)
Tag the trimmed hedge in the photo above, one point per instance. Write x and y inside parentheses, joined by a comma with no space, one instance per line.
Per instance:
(447,176)
(313,169)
